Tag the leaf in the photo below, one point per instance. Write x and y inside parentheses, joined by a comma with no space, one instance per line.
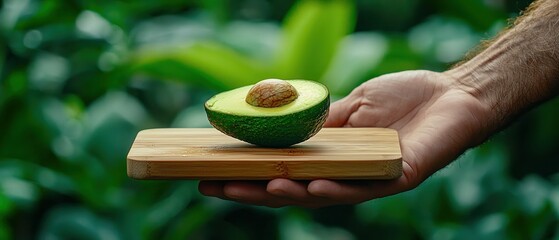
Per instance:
(357,55)
(22,192)
(111,123)
(163,211)
(475,12)
(297,227)
(313,30)
(196,216)
(218,8)
(75,222)
(203,64)
(6,206)
(398,57)
(192,117)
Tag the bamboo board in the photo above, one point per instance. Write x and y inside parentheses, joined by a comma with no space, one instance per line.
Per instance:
(206,154)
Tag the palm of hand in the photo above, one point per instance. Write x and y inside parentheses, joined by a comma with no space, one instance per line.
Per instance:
(436,121)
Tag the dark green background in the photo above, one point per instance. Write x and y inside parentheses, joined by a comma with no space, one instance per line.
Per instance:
(80,78)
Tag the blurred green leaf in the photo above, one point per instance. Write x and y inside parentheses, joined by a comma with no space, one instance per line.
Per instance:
(476,12)
(533,193)
(15,84)
(193,117)
(298,226)
(219,8)
(48,72)
(472,181)
(390,15)
(398,57)
(356,56)
(23,192)
(207,64)
(493,226)
(313,30)
(262,47)
(442,40)
(167,208)
(110,121)
(2,58)
(190,221)
(73,222)
(44,177)
(4,231)
(6,207)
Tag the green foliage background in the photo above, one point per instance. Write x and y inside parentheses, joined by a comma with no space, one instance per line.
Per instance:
(80,78)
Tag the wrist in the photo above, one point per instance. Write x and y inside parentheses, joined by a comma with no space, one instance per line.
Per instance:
(476,103)
(518,70)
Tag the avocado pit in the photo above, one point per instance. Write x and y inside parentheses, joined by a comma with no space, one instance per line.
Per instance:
(271,93)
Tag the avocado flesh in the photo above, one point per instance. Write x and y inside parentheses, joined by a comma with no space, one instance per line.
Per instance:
(271,127)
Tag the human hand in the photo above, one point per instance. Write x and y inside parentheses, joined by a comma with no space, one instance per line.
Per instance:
(435,118)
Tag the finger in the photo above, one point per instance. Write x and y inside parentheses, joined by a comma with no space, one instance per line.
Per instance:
(296,191)
(287,188)
(212,188)
(341,110)
(254,193)
(255,190)
(352,192)
(341,192)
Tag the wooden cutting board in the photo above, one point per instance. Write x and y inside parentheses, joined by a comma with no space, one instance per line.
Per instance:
(205,153)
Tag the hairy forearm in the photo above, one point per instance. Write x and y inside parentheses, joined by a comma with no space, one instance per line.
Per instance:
(518,69)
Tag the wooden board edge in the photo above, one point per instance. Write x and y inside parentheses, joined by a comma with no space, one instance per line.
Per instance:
(266,170)
(138,169)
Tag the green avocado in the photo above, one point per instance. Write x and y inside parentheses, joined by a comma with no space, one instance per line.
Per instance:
(278,126)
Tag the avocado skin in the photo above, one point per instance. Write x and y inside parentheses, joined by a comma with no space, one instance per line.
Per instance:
(272,131)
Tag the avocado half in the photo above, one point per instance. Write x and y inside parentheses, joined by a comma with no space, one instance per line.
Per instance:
(281,126)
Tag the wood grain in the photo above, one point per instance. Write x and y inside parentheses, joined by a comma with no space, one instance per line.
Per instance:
(205,153)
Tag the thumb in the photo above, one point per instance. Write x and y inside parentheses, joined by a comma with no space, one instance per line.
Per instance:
(341,110)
